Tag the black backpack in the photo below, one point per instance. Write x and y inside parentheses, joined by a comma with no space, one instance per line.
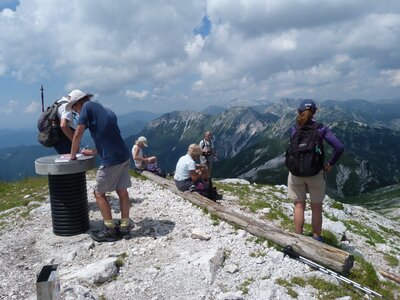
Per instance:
(49,126)
(305,155)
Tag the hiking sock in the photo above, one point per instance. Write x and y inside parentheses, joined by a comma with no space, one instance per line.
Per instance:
(124,222)
(109,223)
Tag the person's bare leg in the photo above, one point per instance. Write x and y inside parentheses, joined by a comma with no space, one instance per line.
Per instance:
(152,160)
(299,207)
(104,205)
(124,203)
(316,219)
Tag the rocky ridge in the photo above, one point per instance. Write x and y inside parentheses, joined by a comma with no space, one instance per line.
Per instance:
(177,251)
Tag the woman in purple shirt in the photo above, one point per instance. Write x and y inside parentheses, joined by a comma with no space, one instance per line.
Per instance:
(298,186)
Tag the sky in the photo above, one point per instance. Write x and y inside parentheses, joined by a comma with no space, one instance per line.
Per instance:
(162,56)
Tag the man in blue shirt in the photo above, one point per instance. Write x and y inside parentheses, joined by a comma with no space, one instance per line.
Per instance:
(113,173)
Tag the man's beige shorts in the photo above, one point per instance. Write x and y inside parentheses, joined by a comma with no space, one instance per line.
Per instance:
(298,187)
(113,178)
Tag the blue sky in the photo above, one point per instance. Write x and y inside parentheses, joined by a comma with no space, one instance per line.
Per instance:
(176,55)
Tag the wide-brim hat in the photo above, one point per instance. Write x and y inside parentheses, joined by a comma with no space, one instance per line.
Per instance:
(74,97)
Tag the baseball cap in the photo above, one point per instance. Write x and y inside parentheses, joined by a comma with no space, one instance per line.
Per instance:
(307,104)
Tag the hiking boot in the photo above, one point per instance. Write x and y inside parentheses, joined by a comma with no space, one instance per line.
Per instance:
(218,197)
(318,238)
(106,234)
(124,232)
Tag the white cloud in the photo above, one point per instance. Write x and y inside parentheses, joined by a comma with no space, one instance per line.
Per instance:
(136,95)
(255,49)
(393,76)
(193,47)
(10,107)
(284,42)
(32,107)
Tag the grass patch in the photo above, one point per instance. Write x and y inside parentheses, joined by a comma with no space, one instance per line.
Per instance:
(215,220)
(227,255)
(330,238)
(244,287)
(372,236)
(258,254)
(285,221)
(391,260)
(119,263)
(288,286)
(338,205)
(255,205)
(121,260)
(389,231)
(239,190)
(136,175)
(365,274)
(21,193)
(327,290)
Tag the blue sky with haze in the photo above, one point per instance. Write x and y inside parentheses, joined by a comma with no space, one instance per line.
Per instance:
(176,55)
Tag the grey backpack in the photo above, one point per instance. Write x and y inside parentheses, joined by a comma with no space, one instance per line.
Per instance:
(49,126)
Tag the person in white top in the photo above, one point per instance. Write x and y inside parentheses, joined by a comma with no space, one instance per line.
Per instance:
(67,126)
(187,173)
(208,151)
(142,162)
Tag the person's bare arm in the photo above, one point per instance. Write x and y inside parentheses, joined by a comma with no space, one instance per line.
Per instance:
(66,129)
(77,140)
(194,175)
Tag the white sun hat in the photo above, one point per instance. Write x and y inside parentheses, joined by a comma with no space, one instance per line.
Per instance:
(74,97)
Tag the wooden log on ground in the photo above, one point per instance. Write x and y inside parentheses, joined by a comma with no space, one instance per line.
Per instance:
(328,256)
(388,275)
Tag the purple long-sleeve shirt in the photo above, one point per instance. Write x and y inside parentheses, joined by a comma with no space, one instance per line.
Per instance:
(326,134)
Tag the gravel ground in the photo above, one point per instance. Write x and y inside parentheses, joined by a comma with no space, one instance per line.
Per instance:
(176,252)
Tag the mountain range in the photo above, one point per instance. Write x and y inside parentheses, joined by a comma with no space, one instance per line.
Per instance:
(250,142)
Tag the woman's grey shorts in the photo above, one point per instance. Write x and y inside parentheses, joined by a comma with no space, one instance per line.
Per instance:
(113,178)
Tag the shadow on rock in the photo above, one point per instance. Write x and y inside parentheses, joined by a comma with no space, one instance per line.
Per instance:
(152,228)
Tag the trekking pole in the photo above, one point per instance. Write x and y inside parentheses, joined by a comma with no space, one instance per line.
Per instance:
(41,90)
(288,250)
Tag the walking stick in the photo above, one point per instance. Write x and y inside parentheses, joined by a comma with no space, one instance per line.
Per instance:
(41,90)
(288,250)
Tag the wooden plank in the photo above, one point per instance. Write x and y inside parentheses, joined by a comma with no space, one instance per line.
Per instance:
(328,256)
(388,275)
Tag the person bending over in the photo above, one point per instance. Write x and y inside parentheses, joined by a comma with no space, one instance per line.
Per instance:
(113,173)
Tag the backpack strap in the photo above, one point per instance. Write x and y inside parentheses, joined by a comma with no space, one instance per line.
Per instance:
(54,116)
(204,144)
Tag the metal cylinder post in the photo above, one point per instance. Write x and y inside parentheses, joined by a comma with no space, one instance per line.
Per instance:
(68,196)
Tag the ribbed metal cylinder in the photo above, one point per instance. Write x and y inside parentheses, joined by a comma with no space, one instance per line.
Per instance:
(69,205)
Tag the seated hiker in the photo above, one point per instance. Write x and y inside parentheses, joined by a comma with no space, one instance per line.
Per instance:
(143,162)
(189,176)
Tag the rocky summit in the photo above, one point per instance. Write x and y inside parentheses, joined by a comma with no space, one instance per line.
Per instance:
(178,251)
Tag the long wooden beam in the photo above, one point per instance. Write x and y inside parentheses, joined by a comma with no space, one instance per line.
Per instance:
(328,256)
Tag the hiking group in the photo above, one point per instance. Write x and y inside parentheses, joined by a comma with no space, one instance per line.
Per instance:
(304,159)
